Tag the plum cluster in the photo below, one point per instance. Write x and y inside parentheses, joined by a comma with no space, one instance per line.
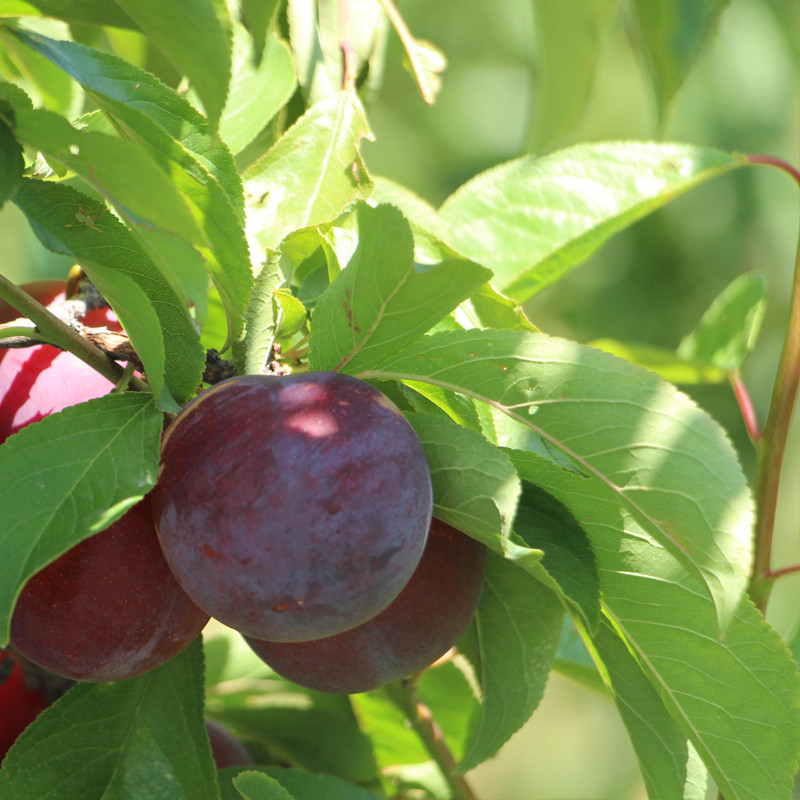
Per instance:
(294,509)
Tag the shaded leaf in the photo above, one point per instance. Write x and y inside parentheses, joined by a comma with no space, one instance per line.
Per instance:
(382,300)
(255,785)
(143,737)
(11,161)
(518,629)
(300,784)
(727,332)
(86,12)
(532,220)
(258,17)
(67,477)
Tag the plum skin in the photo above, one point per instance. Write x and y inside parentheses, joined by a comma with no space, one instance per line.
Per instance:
(107,609)
(40,380)
(422,624)
(19,706)
(292,507)
(226,749)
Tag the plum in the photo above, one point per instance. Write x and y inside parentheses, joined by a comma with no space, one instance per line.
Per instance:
(109,608)
(421,624)
(40,380)
(20,704)
(226,749)
(292,507)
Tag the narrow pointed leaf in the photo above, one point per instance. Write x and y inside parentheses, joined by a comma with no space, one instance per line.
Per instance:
(383,301)
(666,461)
(728,330)
(671,37)
(69,476)
(140,738)
(76,225)
(518,629)
(258,17)
(307,177)
(532,220)
(195,36)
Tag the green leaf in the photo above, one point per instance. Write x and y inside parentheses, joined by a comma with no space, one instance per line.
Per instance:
(475,485)
(568,566)
(532,220)
(85,12)
(383,301)
(671,36)
(143,737)
(487,308)
(518,629)
(665,460)
(712,680)
(195,36)
(258,91)
(255,785)
(670,366)
(78,226)
(67,477)
(203,172)
(11,161)
(307,177)
(569,38)
(670,766)
(728,331)
(301,784)
(262,317)
(258,16)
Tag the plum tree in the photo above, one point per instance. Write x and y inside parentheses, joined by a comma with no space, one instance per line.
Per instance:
(108,608)
(292,507)
(40,380)
(19,703)
(420,625)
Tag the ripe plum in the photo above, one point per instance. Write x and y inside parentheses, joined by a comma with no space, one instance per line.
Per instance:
(424,622)
(19,704)
(109,608)
(295,507)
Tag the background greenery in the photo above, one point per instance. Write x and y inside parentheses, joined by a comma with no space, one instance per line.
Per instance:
(649,284)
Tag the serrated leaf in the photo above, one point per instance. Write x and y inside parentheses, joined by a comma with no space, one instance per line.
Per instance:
(175,136)
(76,225)
(671,36)
(670,366)
(532,220)
(257,92)
(142,737)
(262,317)
(569,38)
(307,177)
(195,36)
(475,485)
(518,629)
(670,766)
(729,328)
(301,784)
(255,785)
(11,161)
(258,17)
(382,300)
(734,691)
(69,476)
(665,460)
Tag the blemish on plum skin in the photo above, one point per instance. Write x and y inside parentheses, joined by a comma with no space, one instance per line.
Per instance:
(211,552)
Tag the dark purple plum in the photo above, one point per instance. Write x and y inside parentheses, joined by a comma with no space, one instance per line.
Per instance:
(226,749)
(422,624)
(109,608)
(292,507)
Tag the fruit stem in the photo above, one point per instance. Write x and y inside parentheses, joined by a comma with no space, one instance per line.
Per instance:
(403,694)
(55,332)
(770,447)
(745,407)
